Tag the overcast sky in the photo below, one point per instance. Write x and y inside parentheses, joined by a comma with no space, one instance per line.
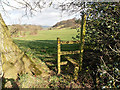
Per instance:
(47,17)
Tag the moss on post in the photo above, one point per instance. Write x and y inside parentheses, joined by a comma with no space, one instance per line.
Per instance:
(82,39)
(76,69)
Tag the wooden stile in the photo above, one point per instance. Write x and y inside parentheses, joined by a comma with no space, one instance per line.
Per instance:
(80,51)
(59,42)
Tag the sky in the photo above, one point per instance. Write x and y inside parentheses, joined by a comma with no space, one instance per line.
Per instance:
(47,17)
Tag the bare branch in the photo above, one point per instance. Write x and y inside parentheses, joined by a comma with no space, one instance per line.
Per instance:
(9,5)
(116,51)
(105,72)
(29,6)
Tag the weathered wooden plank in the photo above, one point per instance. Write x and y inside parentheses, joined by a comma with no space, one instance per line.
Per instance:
(50,64)
(71,60)
(63,63)
(69,52)
(49,60)
(70,42)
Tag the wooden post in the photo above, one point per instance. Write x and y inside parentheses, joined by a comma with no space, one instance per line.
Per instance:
(76,69)
(82,38)
(58,52)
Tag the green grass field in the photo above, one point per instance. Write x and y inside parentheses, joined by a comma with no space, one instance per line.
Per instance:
(64,34)
(44,45)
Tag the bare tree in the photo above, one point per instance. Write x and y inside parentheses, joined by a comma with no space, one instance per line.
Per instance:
(28,6)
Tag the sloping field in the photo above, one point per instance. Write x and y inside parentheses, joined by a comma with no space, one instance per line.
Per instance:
(64,34)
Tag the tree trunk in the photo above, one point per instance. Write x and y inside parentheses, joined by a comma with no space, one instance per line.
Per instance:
(14,61)
(1,73)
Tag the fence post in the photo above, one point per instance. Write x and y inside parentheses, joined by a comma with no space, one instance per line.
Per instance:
(58,53)
(76,69)
(82,39)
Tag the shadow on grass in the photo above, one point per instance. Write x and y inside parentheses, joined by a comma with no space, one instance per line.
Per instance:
(45,50)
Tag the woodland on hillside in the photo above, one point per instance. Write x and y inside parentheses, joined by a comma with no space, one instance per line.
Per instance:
(17,30)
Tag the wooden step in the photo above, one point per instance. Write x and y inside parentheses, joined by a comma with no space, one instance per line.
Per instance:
(71,60)
(64,63)
(50,64)
(69,52)
(49,60)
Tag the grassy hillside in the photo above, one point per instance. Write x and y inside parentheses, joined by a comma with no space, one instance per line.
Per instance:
(71,23)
